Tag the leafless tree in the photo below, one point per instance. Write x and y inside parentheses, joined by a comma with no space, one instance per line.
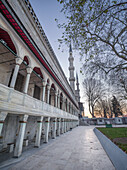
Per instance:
(94,90)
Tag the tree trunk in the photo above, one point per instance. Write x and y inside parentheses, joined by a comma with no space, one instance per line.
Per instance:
(93,111)
(105,113)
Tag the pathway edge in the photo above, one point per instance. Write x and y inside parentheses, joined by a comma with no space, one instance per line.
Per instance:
(116,155)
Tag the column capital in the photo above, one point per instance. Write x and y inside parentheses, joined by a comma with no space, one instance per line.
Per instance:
(47,119)
(56,93)
(29,70)
(3,116)
(48,87)
(58,119)
(39,119)
(23,118)
(62,120)
(18,60)
(54,119)
(44,83)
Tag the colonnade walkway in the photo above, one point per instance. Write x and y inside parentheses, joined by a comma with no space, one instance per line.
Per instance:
(78,149)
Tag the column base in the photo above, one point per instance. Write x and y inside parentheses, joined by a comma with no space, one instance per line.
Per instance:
(36,146)
(16,156)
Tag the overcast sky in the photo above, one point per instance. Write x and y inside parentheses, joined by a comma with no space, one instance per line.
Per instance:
(47,11)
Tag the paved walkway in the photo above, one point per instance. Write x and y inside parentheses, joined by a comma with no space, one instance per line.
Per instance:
(78,149)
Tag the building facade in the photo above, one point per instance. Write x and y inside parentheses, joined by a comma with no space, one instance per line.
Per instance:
(36,100)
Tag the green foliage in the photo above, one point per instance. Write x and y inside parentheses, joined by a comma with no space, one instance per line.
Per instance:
(96,27)
(116,107)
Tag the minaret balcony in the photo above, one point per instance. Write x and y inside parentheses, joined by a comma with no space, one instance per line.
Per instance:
(71,68)
(71,58)
(71,79)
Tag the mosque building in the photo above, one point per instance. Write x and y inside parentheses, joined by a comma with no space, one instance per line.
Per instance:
(37,103)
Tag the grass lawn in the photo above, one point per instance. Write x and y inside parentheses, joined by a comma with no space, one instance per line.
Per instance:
(117,135)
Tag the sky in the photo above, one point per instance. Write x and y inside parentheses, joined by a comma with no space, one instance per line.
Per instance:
(47,11)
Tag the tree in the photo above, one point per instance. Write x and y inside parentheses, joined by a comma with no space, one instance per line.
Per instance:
(119,81)
(98,28)
(116,107)
(94,91)
(103,108)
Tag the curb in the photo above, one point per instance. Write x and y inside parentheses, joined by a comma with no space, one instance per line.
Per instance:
(116,155)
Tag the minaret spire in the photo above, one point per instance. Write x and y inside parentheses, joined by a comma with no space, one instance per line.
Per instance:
(78,90)
(70,50)
(71,69)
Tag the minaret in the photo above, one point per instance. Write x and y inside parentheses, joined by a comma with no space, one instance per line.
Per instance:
(71,69)
(78,90)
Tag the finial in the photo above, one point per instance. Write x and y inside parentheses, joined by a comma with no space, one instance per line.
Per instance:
(70,50)
(76,75)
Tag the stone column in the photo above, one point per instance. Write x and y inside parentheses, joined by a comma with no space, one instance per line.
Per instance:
(15,73)
(48,93)
(46,123)
(77,122)
(3,116)
(64,104)
(55,99)
(58,126)
(67,107)
(54,128)
(58,103)
(70,124)
(73,123)
(43,90)
(72,110)
(67,125)
(20,137)
(62,126)
(29,71)
(39,130)
(65,128)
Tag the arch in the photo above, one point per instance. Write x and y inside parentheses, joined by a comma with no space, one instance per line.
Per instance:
(58,92)
(8,38)
(52,95)
(58,100)
(27,60)
(48,81)
(72,109)
(53,87)
(69,107)
(35,85)
(7,58)
(66,105)
(37,70)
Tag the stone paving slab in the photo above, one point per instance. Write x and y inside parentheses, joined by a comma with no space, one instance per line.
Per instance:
(78,149)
